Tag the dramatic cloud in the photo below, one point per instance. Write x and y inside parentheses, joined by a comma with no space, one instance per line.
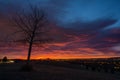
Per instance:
(80,29)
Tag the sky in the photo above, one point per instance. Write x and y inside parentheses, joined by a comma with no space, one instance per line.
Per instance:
(82,28)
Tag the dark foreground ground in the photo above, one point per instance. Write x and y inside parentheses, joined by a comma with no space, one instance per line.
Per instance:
(52,72)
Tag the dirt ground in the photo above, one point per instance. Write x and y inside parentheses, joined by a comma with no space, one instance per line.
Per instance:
(49,72)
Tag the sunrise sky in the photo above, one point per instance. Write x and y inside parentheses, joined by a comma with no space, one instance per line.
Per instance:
(82,29)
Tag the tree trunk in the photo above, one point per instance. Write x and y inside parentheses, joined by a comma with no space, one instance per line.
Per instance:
(30,46)
(29,52)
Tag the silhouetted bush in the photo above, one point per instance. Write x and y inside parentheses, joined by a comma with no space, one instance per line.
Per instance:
(93,68)
(112,71)
(98,69)
(87,67)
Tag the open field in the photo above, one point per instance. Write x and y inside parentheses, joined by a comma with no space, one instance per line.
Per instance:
(51,72)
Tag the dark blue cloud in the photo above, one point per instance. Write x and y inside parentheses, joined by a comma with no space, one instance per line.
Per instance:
(89,24)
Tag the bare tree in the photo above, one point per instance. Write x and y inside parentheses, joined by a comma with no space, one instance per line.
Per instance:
(32,25)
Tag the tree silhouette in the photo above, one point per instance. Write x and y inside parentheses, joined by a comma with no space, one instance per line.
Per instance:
(4,59)
(32,25)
